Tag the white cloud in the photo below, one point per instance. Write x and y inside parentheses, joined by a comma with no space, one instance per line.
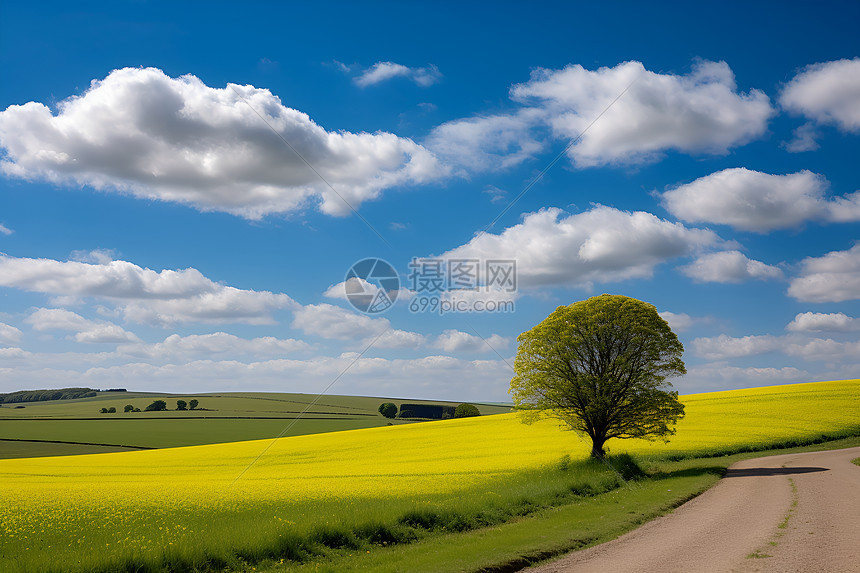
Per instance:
(459,341)
(600,245)
(720,376)
(144,295)
(729,267)
(701,112)
(225,305)
(723,346)
(218,344)
(804,139)
(815,349)
(393,338)
(4,230)
(844,209)
(760,202)
(827,92)
(87,331)
(141,132)
(9,335)
(383,71)
(818,322)
(834,277)
(678,322)
(489,142)
(97,256)
(329,321)
(809,349)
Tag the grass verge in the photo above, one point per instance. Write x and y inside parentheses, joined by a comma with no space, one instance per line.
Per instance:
(548,532)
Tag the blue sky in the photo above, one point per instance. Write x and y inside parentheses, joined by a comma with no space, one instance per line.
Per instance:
(158,230)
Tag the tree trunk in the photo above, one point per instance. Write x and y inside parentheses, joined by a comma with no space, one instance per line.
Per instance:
(597,447)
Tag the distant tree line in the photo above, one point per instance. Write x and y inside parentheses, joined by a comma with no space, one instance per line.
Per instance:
(44,395)
(428,411)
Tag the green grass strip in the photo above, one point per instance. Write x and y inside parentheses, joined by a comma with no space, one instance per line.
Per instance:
(528,540)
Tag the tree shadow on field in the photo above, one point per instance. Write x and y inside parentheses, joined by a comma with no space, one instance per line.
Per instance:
(764,472)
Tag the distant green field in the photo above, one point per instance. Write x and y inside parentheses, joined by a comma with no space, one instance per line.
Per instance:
(24,449)
(223,417)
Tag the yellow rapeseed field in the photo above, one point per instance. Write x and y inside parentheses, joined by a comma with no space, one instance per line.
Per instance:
(62,509)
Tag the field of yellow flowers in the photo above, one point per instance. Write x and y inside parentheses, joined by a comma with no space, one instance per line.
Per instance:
(189,505)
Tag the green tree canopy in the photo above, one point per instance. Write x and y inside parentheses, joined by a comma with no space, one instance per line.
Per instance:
(388,409)
(156,406)
(600,366)
(193,404)
(466,411)
(181,405)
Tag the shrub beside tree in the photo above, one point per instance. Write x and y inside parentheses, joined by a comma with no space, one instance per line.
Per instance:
(466,411)
(193,404)
(181,405)
(128,408)
(388,409)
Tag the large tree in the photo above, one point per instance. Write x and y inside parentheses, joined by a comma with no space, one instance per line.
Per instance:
(600,365)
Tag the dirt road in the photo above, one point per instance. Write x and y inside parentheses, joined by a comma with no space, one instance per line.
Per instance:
(796,513)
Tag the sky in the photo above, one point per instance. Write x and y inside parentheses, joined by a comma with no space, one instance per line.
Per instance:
(190,192)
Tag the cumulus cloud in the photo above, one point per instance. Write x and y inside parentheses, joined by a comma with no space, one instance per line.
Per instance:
(141,132)
(143,295)
(844,209)
(490,142)
(755,201)
(197,346)
(827,92)
(809,349)
(87,331)
(9,335)
(720,376)
(384,71)
(98,256)
(4,230)
(679,322)
(600,245)
(805,139)
(818,322)
(823,349)
(834,277)
(459,341)
(729,267)
(330,321)
(723,346)
(701,112)
(393,338)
